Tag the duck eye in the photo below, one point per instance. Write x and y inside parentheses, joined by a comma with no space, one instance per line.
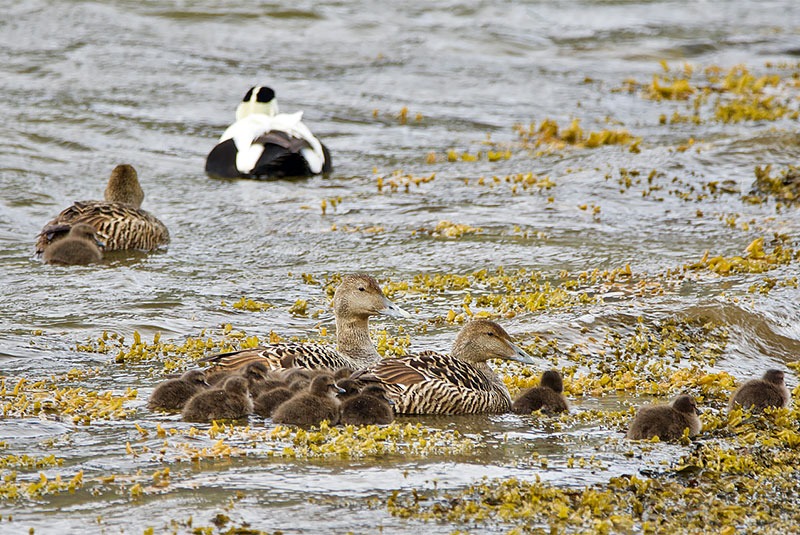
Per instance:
(490,334)
(362,289)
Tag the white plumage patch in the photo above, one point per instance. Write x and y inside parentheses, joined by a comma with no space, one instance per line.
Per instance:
(246,130)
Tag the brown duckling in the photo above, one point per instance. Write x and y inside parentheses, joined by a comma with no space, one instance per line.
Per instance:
(370,406)
(266,403)
(758,394)
(262,387)
(310,408)
(230,402)
(666,421)
(351,388)
(548,396)
(80,246)
(172,394)
(343,373)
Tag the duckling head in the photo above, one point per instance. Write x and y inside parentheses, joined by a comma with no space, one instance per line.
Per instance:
(552,380)
(258,99)
(123,186)
(256,371)
(774,376)
(377,391)
(323,385)
(359,295)
(481,340)
(237,385)
(85,231)
(195,377)
(686,404)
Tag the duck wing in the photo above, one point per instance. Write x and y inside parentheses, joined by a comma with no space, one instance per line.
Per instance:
(281,356)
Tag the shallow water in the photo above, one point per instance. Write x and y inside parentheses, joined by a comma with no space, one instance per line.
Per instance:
(89,85)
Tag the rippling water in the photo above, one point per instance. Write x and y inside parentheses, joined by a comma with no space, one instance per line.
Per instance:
(89,85)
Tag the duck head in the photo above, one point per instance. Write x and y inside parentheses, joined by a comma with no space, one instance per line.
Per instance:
(552,380)
(481,340)
(85,231)
(123,186)
(774,376)
(359,295)
(195,377)
(323,385)
(685,403)
(258,99)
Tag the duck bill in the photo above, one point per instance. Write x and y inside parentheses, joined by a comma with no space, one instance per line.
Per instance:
(390,309)
(520,355)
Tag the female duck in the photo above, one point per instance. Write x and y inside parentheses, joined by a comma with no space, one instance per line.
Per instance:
(118,219)
(265,144)
(758,394)
(356,299)
(548,396)
(80,246)
(459,383)
(667,422)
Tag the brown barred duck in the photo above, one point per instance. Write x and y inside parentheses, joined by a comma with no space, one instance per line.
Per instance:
(230,402)
(547,397)
(118,219)
(313,406)
(666,421)
(371,406)
(80,246)
(172,394)
(264,144)
(356,299)
(459,383)
(758,394)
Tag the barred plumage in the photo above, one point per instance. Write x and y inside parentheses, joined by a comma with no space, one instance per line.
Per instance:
(459,383)
(118,219)
(356,298)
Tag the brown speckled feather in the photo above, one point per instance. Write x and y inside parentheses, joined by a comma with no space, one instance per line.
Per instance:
(119,225)
(434,383)
(281,356)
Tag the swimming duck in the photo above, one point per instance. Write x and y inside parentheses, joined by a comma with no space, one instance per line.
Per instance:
(313,406)
(758,394)
(369,407)
(80,246)
(666,421)
(265,144)
(266,403)
(230,402)
(172,394)
(459,383)
(548,396)
(356,299)
(118,219)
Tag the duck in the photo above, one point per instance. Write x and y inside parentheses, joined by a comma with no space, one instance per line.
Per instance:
(548,396)
(666,421)
(118,219)
(318,403)
(230,402)
(459,383)
(351,388)
(265,144)
(758,394)
(172,394)
(79,246)
(371,406)
(356,299)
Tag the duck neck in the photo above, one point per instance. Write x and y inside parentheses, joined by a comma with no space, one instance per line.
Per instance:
(352,340)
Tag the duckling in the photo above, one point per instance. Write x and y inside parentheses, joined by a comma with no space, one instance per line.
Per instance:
(343,373)
(370,406)
(266,403)
(357,298)
(79,247)
(310,408)
(548,396)
(172,394)
(118,219)
(351,388)
(667,422)
(262,387)
(459,383)
(230,402)
(758,394)
(264,144)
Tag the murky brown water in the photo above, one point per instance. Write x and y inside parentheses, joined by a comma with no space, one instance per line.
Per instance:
(89,85)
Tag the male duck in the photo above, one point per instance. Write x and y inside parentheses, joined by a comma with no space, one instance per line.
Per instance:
(118,219)
(357,298)
(265,144)
(459,383)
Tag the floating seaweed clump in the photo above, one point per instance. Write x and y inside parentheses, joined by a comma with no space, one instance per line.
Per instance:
(548,137)
(251,305)
(756,260)
(784,187)
(397,181)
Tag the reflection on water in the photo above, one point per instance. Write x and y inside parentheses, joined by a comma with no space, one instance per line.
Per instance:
(87,86)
